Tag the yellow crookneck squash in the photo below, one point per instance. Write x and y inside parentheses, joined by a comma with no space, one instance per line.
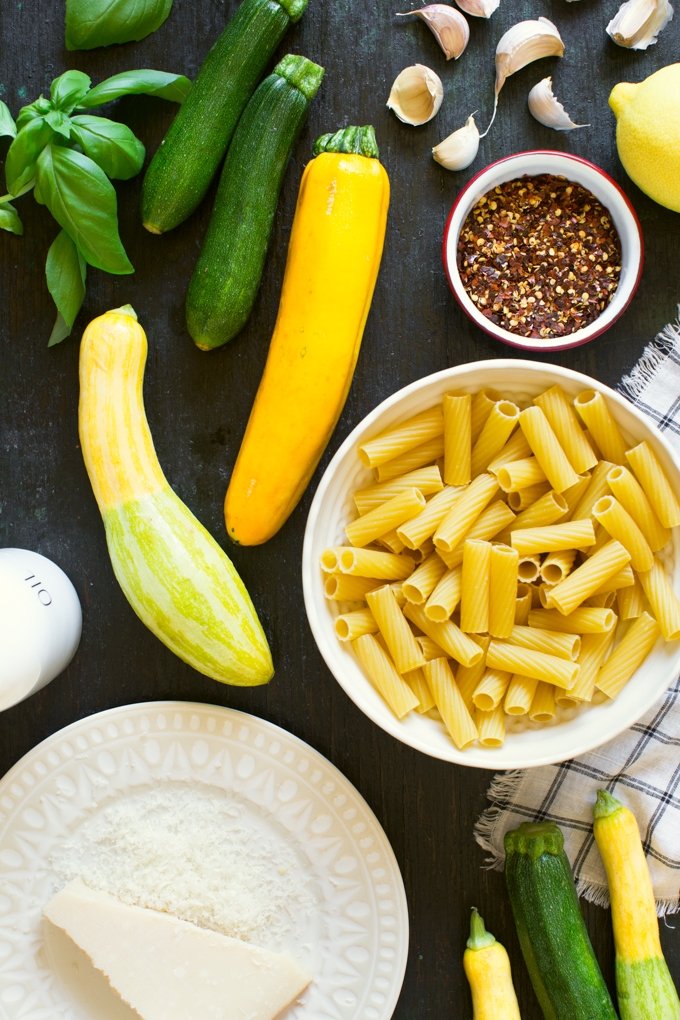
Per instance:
(333,260)
(487,969)
(177,579)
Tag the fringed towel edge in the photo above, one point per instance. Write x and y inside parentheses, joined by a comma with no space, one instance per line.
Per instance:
(641,375)
(502,792)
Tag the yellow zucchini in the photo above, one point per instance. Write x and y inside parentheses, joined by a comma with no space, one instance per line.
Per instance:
(333,260)
(643,983)
(487,969)
(177,579)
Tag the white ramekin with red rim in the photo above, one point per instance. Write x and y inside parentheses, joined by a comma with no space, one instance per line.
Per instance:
(600,184)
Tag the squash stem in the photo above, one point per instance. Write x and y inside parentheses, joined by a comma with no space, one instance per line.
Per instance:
(125,310)
(480,938)
(358,140)
(606,805)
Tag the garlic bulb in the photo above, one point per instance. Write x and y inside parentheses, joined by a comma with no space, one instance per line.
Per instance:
(416,95)
(448,26)
(523,43)
(459,149)
(638,23)
(548,110)
(478,8)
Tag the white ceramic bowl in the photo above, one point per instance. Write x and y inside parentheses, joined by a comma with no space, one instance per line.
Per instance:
(574,169)
(574,731)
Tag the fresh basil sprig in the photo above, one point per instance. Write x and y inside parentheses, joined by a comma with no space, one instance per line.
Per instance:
(69,158)
(92,23)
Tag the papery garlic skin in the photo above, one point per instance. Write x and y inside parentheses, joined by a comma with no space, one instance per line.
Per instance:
(547,109)
(447,25)
(479,8)
(458,150)
(416,95)
(523,43)
(639,22)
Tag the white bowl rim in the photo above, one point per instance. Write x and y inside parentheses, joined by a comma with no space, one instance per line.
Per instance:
(495,758)
(581,336)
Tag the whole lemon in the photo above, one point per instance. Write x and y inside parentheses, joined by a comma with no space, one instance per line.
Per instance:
(648,133)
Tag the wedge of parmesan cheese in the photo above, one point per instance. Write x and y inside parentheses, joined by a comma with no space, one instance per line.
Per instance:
(168,969)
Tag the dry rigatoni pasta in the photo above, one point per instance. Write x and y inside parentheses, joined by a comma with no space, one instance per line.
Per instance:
(546,449)
(457,438)
(632,498)
(385,518)
(482,406)
(382,673)
(468,677)
(401,643)
(474,597)
(491,689)
(445,596)
(350,626)
(523,603)
(430,648)
(557,565)
(422,582)
(421,527)
(493,437)
(630,600)
(343,588)
(580,621)
(401,438)
(456,644)
(426,453)
(561,672)
(520,474)
(465,511)
(630,653)
(663,600)
(488,524)
(605,601)
(586,579)
(415,678)
(524,498)
(503,579)
(391,541)
(543,706)
(573,496)
(567,428)
(553,538)
(621,526)
(449,702)
(427,480)
(598,419)
(653,480)
(528,567)
(623,578)
(544,512)
(372,563)
(491,727)
(516,448)
(553,642)
(597,487)
(594,650)
(520,694)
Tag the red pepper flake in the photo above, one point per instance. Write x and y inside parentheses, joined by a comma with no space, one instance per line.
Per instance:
(540,256)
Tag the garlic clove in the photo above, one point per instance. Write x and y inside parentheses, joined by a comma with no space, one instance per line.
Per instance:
(523,43)
(416,95)
(458,150)
(638,23)
(547,109)
(478,8)
(448,26)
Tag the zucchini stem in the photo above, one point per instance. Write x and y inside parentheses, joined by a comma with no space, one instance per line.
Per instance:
(606,805)
(480,938)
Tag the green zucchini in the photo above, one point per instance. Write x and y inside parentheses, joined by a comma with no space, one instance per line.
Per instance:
(227,276)
(552,934)
(188,157)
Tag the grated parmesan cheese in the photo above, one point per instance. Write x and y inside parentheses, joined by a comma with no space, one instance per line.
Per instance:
(193,853)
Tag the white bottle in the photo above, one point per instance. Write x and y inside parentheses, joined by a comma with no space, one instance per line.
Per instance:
(40,623)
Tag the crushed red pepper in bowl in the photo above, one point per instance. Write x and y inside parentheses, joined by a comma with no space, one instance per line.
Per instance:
(540,256)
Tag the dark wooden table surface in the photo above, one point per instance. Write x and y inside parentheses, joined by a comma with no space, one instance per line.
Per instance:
(198,403)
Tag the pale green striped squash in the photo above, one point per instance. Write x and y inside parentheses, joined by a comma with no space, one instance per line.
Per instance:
(175,576)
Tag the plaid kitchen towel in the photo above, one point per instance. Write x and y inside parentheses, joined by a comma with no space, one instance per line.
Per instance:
(641,766)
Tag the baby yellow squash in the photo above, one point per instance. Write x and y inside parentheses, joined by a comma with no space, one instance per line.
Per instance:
(487,969)
(643,983)
(175,576)
(333,260)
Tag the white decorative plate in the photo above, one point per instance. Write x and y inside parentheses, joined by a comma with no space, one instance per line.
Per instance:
(354,936)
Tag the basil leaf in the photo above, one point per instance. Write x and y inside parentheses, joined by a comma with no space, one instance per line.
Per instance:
(132,83)
(65,271)
(7,125)
(24,151)
(37,109)
(111,145)
(9,219)
(82,200)
(68,89)
(91,23)
(59,123)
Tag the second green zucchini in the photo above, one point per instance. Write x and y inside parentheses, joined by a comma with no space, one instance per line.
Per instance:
(227,276)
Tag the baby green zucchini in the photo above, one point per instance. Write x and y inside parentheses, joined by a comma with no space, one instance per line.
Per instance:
(555,944)
(227,276)
(188,157)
